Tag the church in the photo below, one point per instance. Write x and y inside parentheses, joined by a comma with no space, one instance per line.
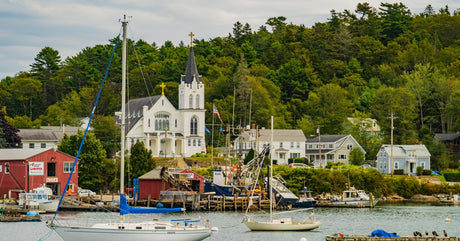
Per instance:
(165,130)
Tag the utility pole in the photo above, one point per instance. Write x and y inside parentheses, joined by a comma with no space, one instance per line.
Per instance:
(392,117)
(319,146)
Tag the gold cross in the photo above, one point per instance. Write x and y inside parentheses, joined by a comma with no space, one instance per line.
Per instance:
(162,88)
(191,38)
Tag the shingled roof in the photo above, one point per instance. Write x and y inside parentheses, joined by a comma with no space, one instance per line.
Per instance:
(134,110)
(191,70)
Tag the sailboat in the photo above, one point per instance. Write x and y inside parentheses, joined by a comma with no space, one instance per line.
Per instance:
(282,224)
(174,230)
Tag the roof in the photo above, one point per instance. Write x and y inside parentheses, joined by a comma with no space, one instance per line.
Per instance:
(326,138)
(402,150)
(447,137)
(19,154)
(134,110)
(279,135)
(50,133)
(191,71)
(153,174)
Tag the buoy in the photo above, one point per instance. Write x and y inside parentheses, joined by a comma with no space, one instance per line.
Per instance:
(447,219)
(303,239)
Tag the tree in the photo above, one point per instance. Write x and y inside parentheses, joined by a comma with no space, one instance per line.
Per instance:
(91,158)
(108,133)
(356,157)
(395,20)
(141,160)
(9,137)
(46,63)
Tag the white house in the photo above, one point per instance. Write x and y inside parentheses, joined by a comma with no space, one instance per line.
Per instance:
(331,148)
(165,130)
(45,138)
(406,157)
(286,143)
(368,125)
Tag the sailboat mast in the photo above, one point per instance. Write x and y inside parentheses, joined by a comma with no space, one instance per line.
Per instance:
(124,23)
(271,173)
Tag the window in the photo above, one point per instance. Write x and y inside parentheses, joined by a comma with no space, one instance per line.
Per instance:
(149,123)
(194,142)
(422,164)
(43,145)
(292,144)
(349,146)
(281,145)
(7,168)
(190,101)
(175,123)
(310,146)
(331,146)
(199,142)
(67,167)
(31,145)
(342,157)
(298,144)
(194,126)
(197,102)
(161,122)
(189,142)
(412,154)
(294,155)
(396,165)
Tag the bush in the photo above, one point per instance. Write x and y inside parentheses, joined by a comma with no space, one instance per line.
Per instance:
(398,171)
(419,170)
(426,172)
(452,176)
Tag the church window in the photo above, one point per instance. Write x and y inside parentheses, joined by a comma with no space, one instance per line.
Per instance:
(199,144)
(175,123)
(194,142)
(149,123)
(189,142)
(197,102)
(161,122)
(194,126)
(190,101)
(162,102)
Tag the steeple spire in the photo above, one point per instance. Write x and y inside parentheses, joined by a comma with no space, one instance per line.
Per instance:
(191,71)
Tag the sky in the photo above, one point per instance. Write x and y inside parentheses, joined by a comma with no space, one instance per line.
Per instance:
(68,26)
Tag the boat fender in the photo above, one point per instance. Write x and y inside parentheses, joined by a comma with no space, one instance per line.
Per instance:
(445,233)
(435,233)
(303,239)
(340,235)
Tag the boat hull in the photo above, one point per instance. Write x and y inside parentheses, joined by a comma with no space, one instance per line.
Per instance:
(99,234)
(277,226)
(305,204)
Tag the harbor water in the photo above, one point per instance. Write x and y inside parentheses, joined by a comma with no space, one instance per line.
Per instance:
(401,219)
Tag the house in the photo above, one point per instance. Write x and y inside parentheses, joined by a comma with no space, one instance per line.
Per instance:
(287,143)
(368,125)
(331,148)
(451,141)
(22,170)
(165,130)
(405,157)
(152,183)
(45,138)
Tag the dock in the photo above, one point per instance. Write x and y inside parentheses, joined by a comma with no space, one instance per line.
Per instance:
(402,238)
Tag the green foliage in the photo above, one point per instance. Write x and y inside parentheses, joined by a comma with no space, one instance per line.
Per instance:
(108,133)
(419,171)
(452,176)
(249,156)
(141,160)
(398,171)
(356,157)
(92,156)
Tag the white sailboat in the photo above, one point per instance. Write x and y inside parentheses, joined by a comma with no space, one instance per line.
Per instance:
(282,224)
(174,230)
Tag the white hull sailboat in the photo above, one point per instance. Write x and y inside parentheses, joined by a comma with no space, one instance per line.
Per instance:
(174,230)
(283,224)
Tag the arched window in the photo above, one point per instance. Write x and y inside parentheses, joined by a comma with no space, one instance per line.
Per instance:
(190,101)
(161,121)
(197,102)
(194,126)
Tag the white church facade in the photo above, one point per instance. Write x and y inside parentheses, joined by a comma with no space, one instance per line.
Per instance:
(165,130)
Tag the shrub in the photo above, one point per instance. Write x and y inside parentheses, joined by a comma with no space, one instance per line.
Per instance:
(419,170)
(452,176)
(398,171)
(426,172)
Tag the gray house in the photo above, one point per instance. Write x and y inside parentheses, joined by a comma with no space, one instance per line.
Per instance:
(406,157)
(331,148)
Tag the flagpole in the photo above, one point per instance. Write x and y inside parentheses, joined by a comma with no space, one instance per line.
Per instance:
(212,138)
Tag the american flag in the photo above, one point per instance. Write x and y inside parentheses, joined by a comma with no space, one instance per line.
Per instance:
(215,111)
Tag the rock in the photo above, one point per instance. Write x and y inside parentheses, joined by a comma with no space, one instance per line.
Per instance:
(419,197)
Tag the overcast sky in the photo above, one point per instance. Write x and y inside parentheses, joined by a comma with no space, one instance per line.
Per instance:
(27,26)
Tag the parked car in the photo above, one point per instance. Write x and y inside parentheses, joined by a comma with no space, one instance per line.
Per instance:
(86,193)
(303,165)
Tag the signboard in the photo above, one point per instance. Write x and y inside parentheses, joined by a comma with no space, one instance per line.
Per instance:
(51,179)
(36,168)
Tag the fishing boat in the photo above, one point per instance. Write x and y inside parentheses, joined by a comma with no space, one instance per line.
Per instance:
(353,197)
(306,200)
(174,230)
(38,200)
(281,224)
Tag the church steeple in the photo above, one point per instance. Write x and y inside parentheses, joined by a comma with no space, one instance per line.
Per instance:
(191,71)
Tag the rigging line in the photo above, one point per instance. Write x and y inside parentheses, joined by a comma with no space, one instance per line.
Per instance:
(147,87)
(86,131)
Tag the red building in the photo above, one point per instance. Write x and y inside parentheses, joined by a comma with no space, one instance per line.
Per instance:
(152,183)
(22,170)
